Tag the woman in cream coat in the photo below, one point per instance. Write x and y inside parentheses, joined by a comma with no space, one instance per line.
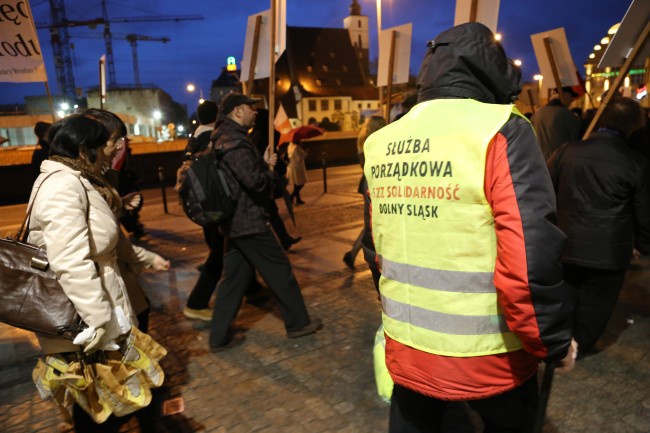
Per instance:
(296,170)
(80,232)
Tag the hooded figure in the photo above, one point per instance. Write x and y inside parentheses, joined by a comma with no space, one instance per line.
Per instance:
(462,222)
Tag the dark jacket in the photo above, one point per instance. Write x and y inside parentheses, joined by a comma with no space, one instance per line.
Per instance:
(603,200)
(555,125)
(249,178)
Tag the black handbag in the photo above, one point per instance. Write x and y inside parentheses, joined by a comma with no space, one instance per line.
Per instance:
(32,298)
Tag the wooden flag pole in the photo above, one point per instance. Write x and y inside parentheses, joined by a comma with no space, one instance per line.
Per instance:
(391,65)
(256,45)
(473,11)
(274,10)
(556,74)
(49,99)
(530,99)
(613,90)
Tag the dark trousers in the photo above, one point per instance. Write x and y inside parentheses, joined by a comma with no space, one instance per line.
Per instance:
(243,256)
(594,293)
(510,412)
(278,225)
(199,298)
(296,193)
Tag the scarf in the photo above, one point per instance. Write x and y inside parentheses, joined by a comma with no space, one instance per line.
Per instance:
(97,181)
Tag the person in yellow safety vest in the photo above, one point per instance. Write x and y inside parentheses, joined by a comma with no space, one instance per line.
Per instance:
(463,214)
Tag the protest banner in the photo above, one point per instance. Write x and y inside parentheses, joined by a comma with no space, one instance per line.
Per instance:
(21,60)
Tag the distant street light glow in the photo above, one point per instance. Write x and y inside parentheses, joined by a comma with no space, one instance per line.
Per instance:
(497,36)
(592,56)
(65,106)
(604,40)
(517,62)
(157,114)
(538,77)
(597,48)
(190,87)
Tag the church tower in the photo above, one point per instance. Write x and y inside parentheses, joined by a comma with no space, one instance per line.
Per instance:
(357,26)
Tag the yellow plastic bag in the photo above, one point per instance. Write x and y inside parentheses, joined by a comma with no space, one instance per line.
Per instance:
(382,377)
(117,382)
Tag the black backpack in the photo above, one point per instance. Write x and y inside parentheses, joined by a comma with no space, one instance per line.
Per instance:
(205,195)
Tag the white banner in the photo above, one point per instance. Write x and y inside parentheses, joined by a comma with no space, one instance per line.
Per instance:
(402,59)
(21,60)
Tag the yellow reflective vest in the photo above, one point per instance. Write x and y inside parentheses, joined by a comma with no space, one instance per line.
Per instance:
(433,228)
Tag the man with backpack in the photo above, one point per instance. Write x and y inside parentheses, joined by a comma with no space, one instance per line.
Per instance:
(197,306)
(249,243)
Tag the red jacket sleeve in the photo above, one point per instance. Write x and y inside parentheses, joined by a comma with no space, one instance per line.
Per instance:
(528,274)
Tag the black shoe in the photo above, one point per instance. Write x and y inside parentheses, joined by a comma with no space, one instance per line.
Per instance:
(313,326)
(299,202)
(349,260)
(287,245)
(234,341)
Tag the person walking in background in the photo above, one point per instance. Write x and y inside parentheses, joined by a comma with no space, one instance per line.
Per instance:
(603,193)
(119,172)
(555,124)
(250,244)
(198,302)
(374,123)
(131,258)
(42,149)
(471,286)
(296,171)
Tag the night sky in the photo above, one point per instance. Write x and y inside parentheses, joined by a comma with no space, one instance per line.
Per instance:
(199,49)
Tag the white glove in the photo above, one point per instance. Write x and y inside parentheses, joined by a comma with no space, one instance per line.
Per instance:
(132,200)
(160,264)
(97,341)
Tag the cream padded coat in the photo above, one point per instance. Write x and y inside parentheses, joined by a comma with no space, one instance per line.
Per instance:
(81,251)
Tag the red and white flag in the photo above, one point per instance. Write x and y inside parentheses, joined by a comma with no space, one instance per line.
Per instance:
(281,122)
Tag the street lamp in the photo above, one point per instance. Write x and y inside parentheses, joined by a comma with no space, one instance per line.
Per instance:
(191,88)
(497,36)
(517,62)
(157,114)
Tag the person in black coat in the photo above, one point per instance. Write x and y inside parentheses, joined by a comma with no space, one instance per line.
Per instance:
(198,302)
(603,196)
(42,150)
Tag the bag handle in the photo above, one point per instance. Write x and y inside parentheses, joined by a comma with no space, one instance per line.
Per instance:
(24,227)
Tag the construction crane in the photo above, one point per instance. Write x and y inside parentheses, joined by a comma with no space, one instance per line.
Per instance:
(61,46)
(110,62)
(133,41)
(60,39)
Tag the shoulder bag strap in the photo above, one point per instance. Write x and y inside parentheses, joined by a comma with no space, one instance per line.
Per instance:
(23,231)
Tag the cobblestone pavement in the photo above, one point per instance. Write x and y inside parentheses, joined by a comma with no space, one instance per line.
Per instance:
(323,382)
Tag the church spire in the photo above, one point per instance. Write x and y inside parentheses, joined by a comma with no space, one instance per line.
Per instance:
(355,8)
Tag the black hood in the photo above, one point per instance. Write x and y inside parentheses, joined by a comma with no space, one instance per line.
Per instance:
(467,62)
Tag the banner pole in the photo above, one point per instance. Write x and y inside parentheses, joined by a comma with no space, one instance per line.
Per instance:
(49,99)
(274,8)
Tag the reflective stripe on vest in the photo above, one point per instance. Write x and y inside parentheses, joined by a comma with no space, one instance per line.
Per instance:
(434,230)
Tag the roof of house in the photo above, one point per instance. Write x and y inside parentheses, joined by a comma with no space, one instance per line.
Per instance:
(324,62)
